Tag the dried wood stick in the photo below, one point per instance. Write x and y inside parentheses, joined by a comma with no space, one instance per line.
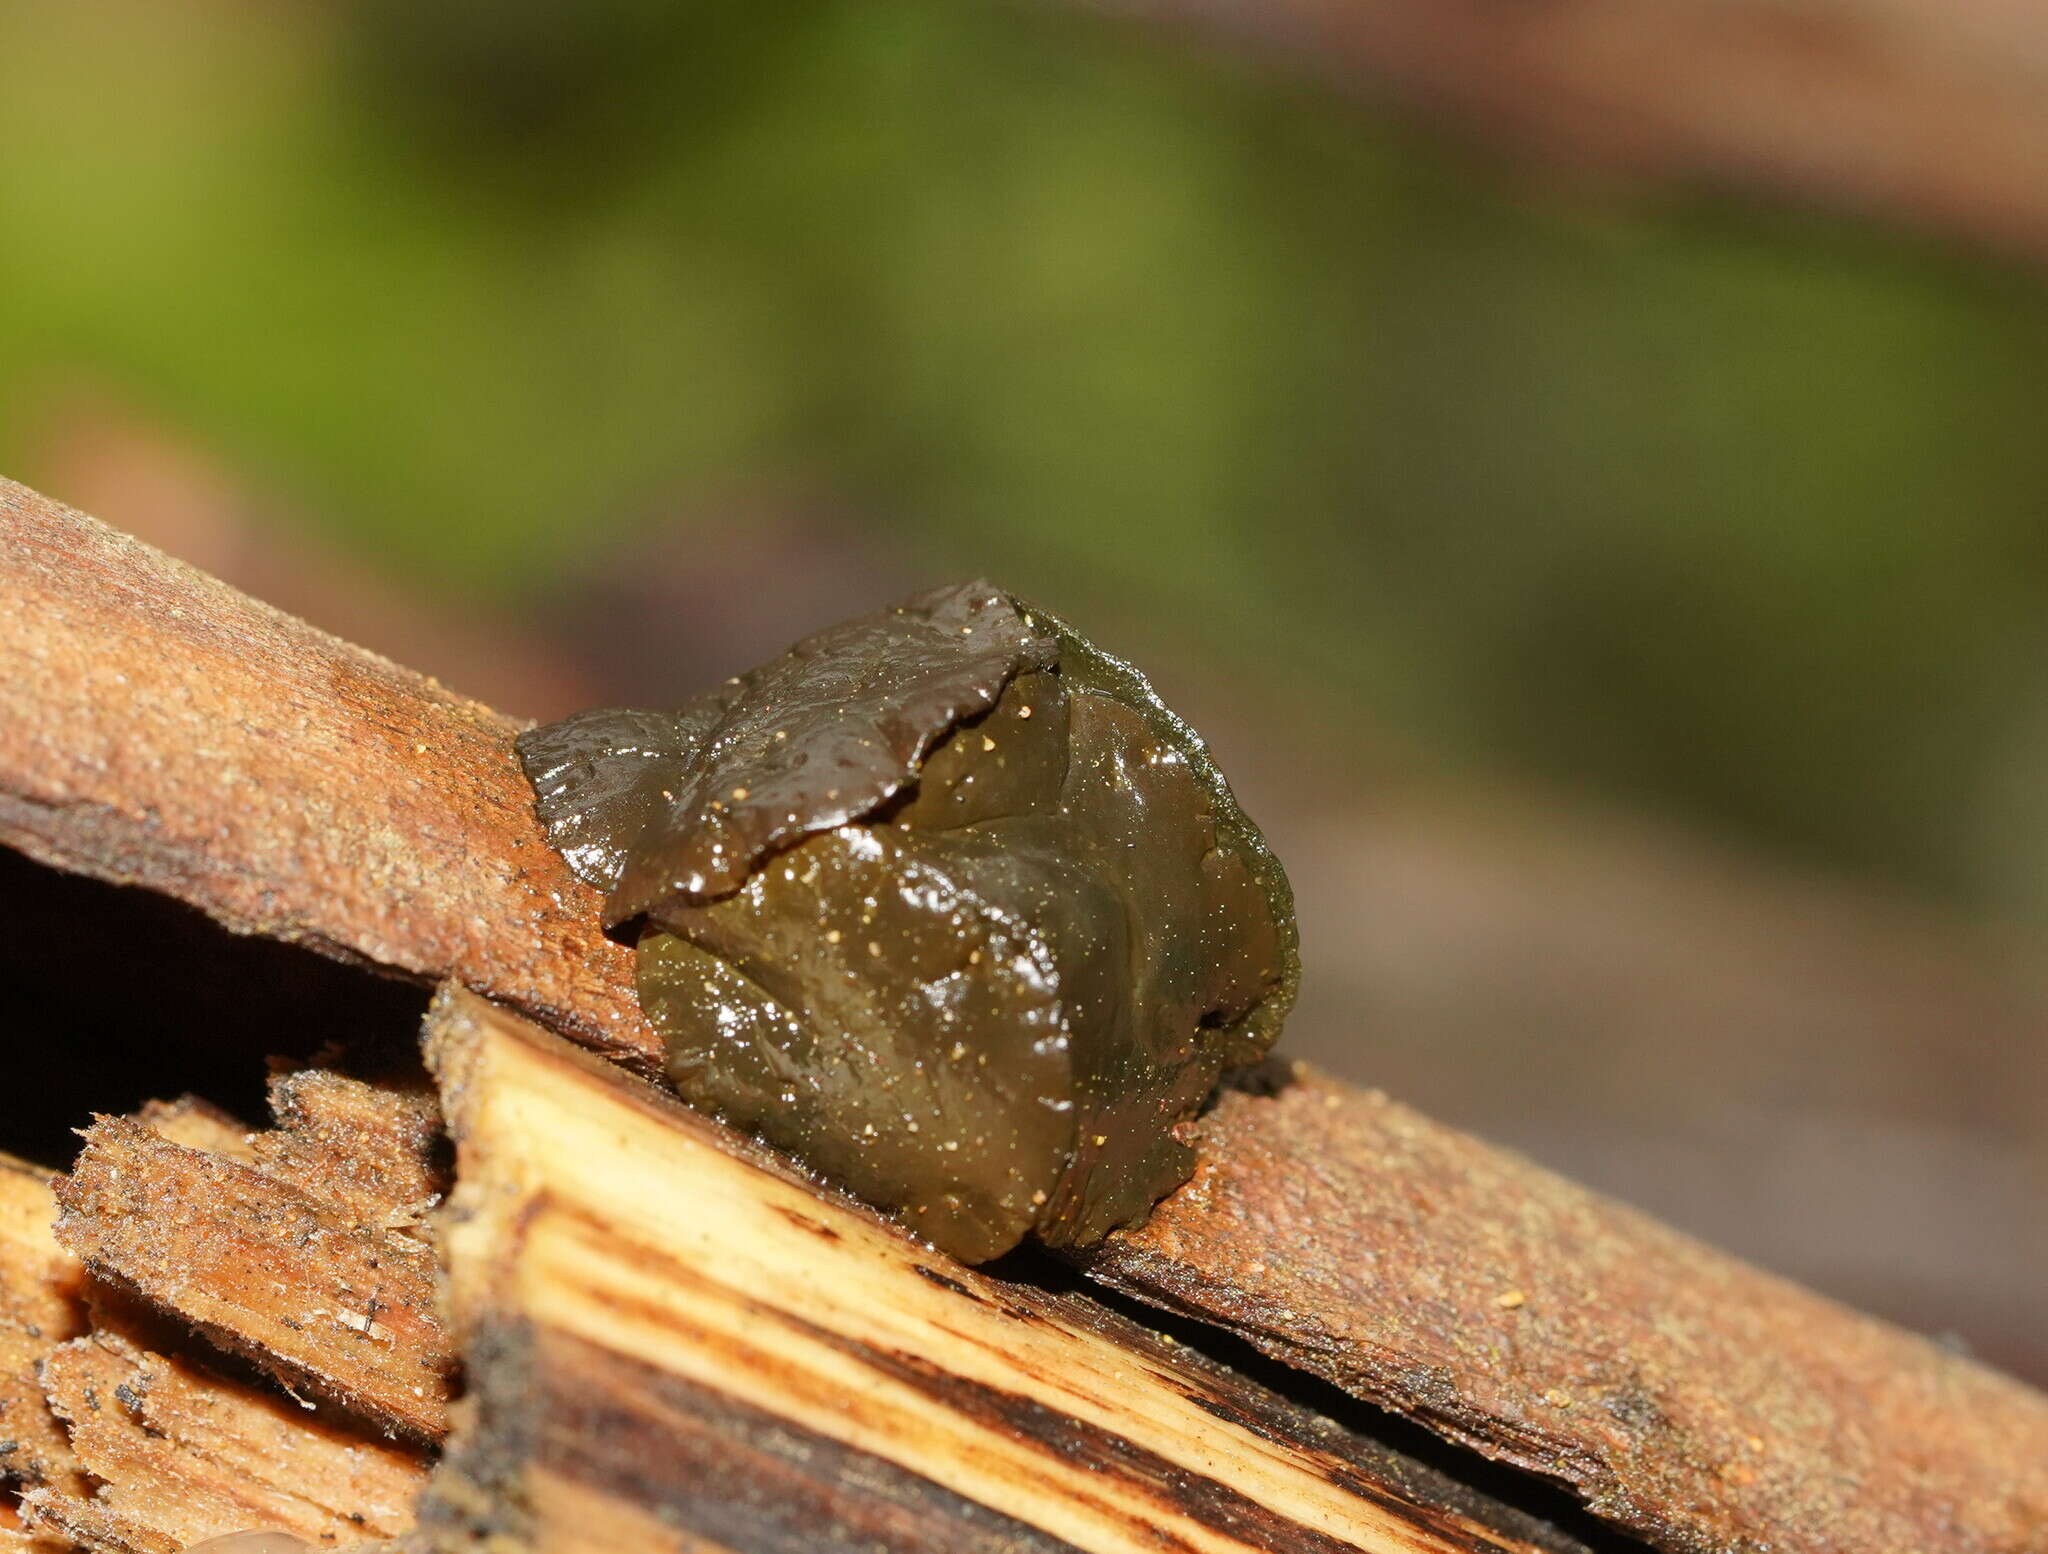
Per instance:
(125,1450)
(183,1453)
(167,732)
(242,1236)
(40,1308)
(159,729)
(327,1299)
(675,1343)
(186,1455)
(1698,1402)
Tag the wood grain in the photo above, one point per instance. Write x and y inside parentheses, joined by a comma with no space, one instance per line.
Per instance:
(269,1267)
(163,731)
(40,1308)
(1698,1402)
(131,1432)
(128,1432)
(662,1320)
(184,1454)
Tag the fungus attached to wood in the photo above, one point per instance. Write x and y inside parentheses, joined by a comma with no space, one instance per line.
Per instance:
(945,902)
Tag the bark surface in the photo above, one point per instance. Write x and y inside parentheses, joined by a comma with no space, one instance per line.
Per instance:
(160,729)
(1699,1402)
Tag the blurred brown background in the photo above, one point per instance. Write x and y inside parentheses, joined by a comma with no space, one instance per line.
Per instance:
(1583,464)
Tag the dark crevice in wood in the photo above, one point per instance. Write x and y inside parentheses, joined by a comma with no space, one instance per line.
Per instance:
(115,996)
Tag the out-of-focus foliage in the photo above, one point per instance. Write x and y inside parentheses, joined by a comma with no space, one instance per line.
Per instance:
(1727,509)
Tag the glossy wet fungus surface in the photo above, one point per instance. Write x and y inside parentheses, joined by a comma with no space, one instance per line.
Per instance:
(946,903)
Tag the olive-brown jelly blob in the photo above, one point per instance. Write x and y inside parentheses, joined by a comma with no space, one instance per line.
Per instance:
(982,993)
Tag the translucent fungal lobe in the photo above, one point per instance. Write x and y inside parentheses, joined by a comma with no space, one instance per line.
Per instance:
(946,903)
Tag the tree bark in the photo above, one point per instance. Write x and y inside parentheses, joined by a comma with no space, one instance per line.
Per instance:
(161,730)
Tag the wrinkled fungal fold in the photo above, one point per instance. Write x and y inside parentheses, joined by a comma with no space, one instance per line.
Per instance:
(946,903)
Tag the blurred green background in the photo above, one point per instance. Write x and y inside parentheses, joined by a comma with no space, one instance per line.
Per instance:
(653,334)
(1733,511)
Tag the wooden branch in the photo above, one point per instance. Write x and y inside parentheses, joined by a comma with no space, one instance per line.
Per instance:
(166,731)
(676,1342)
(1695,1400)
(39,1309)
(1928,114)
(185,1454)
(356,1323)
(176,1452)
(159,729)
(134,1439)
(663,1328)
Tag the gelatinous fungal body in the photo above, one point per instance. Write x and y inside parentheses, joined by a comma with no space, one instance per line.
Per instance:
(946,903)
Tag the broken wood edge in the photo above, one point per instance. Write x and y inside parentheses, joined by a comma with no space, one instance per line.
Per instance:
(161,1436)
(357,1323)
(186,1453)
(610,1255)
(41,1307)
(164,731)
(368,1154)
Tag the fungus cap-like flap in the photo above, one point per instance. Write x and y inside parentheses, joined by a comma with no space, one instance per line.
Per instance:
(652,807)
